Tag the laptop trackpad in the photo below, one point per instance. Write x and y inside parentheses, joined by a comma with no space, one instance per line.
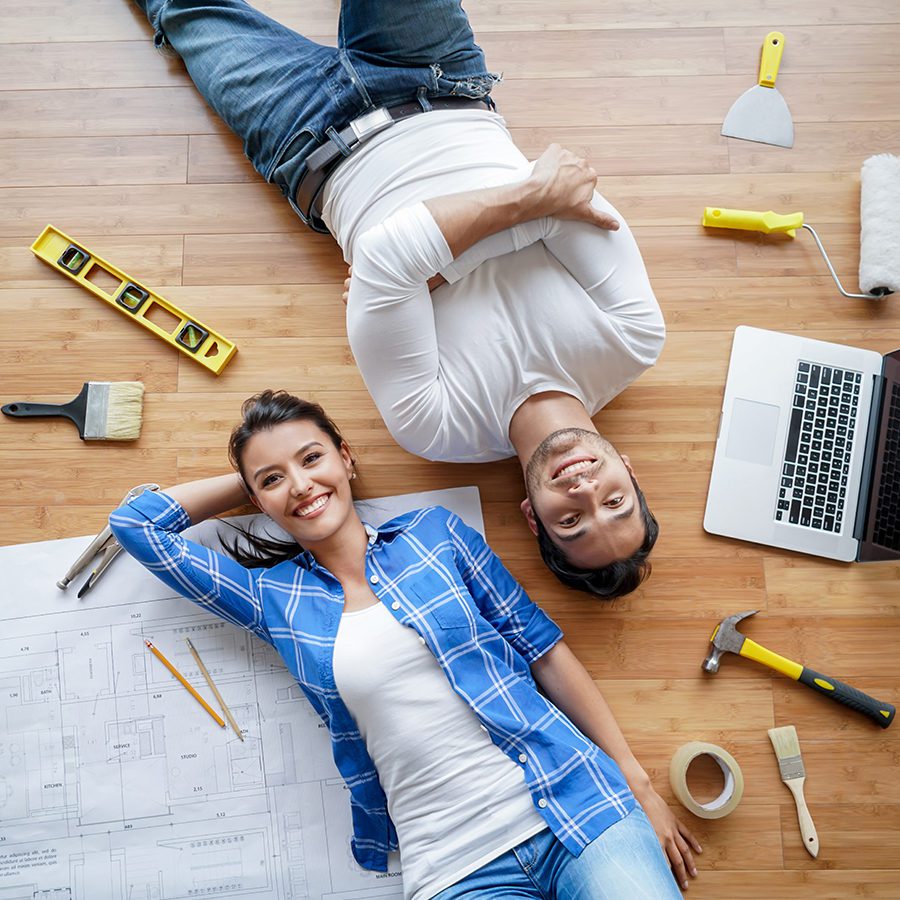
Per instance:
(751,434)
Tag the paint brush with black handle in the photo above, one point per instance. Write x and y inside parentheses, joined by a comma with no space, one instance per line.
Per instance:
(103,411)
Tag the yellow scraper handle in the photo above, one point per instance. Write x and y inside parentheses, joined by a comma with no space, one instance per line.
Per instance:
(772,48)
(750,220)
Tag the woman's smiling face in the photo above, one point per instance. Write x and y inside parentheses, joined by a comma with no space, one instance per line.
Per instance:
(300,479)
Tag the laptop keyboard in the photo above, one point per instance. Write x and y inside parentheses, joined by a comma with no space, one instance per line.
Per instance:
(816,465)
(887,515)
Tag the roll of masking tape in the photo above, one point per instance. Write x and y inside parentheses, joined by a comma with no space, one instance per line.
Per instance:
(734,780)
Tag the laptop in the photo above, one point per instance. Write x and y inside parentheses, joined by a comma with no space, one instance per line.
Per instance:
(808,451)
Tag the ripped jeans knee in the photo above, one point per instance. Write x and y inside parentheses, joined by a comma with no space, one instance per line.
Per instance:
(478,87)
(160,41)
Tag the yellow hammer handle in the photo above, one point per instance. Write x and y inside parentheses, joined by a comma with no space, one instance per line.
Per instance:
(751,220)
(782,664)
(878,711)
(773,47)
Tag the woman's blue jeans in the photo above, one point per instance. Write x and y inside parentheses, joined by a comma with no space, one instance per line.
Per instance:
(283,94)
(625,863)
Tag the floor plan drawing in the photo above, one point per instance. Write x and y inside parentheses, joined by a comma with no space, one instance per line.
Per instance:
(115,783)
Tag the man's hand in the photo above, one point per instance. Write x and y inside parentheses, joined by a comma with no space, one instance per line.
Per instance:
(436,281)
(564,184)
(675,837)
(561,185)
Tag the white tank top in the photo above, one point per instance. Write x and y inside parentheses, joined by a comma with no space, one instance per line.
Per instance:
(456,800)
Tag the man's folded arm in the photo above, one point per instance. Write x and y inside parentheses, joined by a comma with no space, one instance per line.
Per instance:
(457,232)
(390,318)
(450,235)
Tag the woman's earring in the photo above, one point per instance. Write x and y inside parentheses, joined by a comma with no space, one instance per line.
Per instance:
(352,475)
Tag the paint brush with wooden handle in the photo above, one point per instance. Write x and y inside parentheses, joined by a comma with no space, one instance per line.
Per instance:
(793,774)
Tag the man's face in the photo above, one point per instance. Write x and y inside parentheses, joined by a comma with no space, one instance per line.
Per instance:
(581,489)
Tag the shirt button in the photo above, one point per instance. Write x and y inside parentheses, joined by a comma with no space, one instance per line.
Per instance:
(542,803)
(395,604)
(482,727)
(523,758)
(373,579)
(421,640)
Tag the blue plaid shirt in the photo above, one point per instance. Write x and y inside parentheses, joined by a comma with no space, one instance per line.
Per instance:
(439,577)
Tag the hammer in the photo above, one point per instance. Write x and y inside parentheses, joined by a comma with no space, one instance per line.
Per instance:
(727,639)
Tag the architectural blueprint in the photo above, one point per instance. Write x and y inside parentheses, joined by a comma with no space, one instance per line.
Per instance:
(114,783)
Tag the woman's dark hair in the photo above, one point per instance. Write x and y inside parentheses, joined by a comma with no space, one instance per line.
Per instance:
(262,412)
(615,580)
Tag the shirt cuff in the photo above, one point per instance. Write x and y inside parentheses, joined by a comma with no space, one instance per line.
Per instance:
(162,510)
(539,636)
(434,247)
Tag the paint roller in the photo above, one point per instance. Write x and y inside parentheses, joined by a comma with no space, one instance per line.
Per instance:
(879,240)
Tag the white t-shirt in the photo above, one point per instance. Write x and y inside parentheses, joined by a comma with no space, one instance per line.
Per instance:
(546,306)
(456,800)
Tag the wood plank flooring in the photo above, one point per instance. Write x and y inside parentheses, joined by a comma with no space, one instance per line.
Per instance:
(108,140)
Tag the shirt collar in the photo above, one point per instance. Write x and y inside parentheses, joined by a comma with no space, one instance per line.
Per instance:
(385,531)
(306,560)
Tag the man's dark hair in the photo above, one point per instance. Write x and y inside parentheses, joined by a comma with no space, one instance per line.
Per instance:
(615,580)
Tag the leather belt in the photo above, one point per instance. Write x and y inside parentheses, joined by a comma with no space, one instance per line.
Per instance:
(327,156)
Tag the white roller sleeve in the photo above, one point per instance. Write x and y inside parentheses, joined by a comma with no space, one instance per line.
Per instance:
(879,208)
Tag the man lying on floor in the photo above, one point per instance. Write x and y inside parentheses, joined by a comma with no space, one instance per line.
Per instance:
(542,311)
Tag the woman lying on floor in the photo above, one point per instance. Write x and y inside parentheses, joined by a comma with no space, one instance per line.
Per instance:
(420,652)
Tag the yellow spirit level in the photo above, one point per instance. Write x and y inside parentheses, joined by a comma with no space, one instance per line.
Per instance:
(132,298)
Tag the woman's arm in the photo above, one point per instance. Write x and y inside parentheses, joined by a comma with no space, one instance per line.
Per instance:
(149,529)
(500,599)
(568,685)
(210,497)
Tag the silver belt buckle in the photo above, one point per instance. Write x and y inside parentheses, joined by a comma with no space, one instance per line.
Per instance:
(371,123)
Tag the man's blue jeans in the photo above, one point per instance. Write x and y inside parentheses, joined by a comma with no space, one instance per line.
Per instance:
(283,94)
(625,863)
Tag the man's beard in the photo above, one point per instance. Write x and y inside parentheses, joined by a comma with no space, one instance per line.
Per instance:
(559,442)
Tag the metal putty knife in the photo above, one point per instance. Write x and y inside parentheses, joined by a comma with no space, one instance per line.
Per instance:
(760,114)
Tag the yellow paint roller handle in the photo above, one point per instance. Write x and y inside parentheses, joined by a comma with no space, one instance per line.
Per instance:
(751,220)
(782,664)
(772,48)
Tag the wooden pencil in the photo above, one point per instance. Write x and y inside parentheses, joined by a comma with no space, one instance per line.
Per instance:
(214,689)
(185,682)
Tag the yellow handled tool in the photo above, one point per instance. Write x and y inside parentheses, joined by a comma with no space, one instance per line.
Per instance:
(771,222)
(760,113)
(727,639)
(751,220)
(135,300)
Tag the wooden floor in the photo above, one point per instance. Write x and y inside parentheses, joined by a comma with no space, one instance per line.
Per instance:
(108,140)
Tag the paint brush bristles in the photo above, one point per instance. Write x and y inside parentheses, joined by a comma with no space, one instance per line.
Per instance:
(787,749)
(114,411)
